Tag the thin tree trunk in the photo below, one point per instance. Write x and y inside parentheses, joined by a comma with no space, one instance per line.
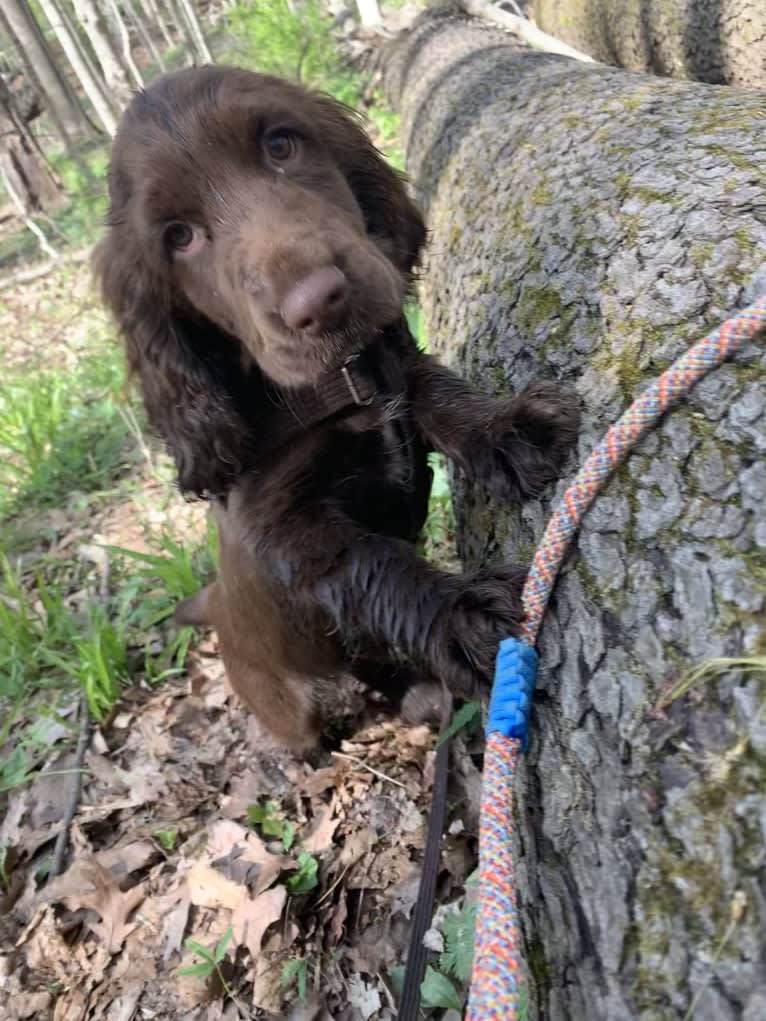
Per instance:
(143,34)
(719,41)
(80,65)
(369,12)
(33,181)
(112,49)
(60,98)
(587,225)
(155,17)
(195,32)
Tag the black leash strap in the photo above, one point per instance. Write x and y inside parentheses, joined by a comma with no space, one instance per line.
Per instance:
(424,906)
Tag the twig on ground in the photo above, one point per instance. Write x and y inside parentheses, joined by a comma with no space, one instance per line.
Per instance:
(523,29)
(25,216)
(62,841)
(371,769)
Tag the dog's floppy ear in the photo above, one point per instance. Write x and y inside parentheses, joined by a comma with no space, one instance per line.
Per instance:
(390,214)
(188,378)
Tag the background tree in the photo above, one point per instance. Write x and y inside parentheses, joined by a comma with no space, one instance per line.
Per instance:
(588,224)
(59,95)
(719,41)
(26,173)
(92,86)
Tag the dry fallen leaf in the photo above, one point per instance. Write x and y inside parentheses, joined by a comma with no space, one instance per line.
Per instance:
(253,916)
(88,884)
(209,889)
(321,836)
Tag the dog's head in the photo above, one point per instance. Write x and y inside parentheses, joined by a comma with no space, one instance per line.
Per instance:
(251,222)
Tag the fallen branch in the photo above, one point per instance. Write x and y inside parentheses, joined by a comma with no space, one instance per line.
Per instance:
(62,840)
(523,29)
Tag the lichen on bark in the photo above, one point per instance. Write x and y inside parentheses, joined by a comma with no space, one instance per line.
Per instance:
(717,41)
(587,225)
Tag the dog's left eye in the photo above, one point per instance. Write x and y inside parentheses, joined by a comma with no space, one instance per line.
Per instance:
(280,146)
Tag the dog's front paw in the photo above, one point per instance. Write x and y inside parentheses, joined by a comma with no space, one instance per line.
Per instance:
(528,441)
(486,610)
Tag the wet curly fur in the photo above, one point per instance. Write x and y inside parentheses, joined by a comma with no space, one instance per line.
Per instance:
(229,191)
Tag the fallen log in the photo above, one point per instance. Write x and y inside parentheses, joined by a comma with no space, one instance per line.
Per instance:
(717,41)
(587,225)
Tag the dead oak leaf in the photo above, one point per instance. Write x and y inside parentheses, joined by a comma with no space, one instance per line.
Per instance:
(253,916)
(209,889)
(321,835)
(88,884)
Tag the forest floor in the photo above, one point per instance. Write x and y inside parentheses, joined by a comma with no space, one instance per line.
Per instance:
(208,875)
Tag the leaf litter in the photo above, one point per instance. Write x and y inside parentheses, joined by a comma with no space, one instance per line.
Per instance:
(106,939)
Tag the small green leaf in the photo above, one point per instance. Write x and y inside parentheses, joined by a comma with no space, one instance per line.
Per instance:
(436,990)
(288,836)
(458,929)
(223,942)
(305,879)
(396,975)
(463,718)
(256,814)
(296,971)
(199,950)
(198,970)
(166,838)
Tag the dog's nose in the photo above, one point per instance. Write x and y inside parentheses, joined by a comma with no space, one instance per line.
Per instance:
(317,301)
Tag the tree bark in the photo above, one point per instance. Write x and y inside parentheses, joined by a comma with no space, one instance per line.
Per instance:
(718,41)
(81,66)
(156,19)
(115,63)
(59,96)
(142,29)
(187,20)
(587,225)
(33,183)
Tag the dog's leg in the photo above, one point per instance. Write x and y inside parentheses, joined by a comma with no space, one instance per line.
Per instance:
(415,698)
(197,610)
(370,588)
(514,445)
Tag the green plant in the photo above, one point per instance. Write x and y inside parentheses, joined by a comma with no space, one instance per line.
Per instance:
(457,930)
(273,39)
(60,431)
(714,668)
(305,879)
(296,973)
(211,962)
(436,990)
(271,822)
(166,838)
(468,717)
(100,664)
(440,523)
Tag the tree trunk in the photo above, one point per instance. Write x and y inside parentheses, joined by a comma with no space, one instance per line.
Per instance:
(143,34)
(588,224)
(188,20)
(32,181)
(718,41)
(80,65)
(111,61)
(369,12)
(156,19)
(59,96)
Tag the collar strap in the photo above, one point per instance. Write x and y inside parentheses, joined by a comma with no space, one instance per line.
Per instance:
(353,385)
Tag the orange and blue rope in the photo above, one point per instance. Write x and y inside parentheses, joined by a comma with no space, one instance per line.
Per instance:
(496,982)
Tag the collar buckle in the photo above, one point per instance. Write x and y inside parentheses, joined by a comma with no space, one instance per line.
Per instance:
(360,387)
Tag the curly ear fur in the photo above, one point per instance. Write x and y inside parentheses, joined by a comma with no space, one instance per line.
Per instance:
(191,380)
(390,214)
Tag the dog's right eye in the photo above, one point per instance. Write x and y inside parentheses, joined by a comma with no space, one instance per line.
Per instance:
(179,236)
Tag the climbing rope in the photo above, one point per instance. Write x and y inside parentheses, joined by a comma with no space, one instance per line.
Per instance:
(496,982)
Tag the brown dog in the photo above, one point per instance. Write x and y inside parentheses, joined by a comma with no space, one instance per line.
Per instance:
(258,253)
